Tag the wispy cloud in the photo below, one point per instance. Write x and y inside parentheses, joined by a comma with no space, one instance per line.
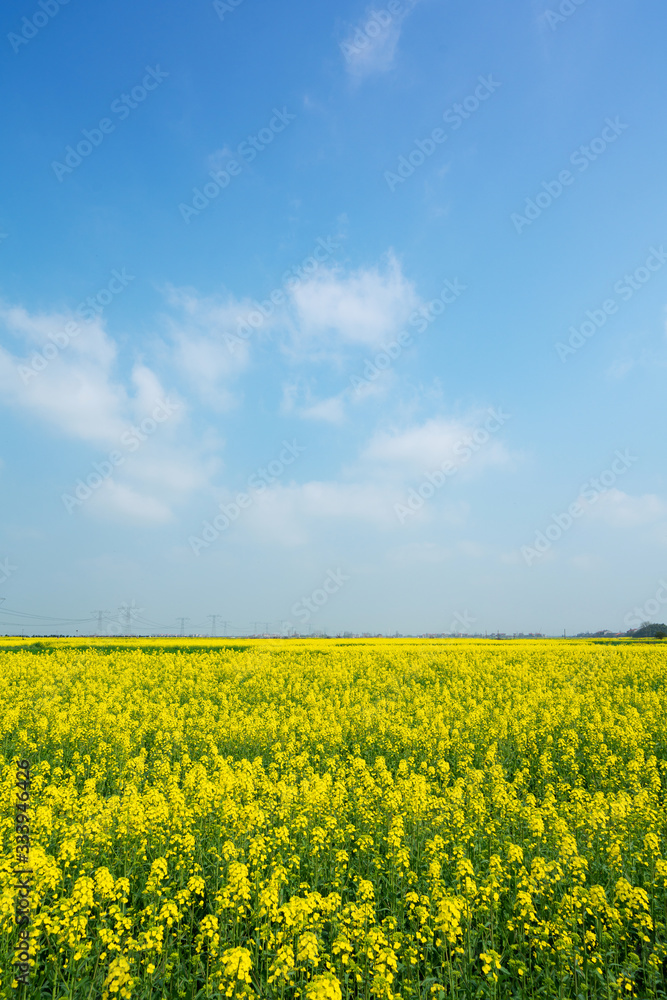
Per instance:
(370,46)
(622,510)
(206,346)
(76,393)
(84,395)
(330,411)
(423,447)
(367,491)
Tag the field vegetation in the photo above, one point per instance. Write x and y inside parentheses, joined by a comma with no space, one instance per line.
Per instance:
(337,819)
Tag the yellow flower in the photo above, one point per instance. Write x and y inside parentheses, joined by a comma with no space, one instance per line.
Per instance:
(324,987)
(237,963)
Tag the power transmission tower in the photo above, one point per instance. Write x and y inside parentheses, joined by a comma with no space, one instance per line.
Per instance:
(126,615)
(214,619)
(100,618)
(182,621)
(125,618)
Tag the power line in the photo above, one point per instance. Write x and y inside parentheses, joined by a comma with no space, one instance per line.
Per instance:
(153,625)
(213,619)
(127,613)
(47,618)
(100,617)
(182,621)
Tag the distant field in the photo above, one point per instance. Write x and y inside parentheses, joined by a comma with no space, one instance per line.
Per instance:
(334,818)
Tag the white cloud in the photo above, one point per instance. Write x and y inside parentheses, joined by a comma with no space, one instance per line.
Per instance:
(297,399)
(172,470)
(72,386)
(323,317)
(621,510)
(291,392)
(620,368)
(379,388)
(120,502)
(71,389)
(370,47)
(149,389)
(294,514)
(419,552)
(211,339)
(376,56)
(82,393)
(423,448)
(151,482)
(331,410)
(366,308)
(291,514)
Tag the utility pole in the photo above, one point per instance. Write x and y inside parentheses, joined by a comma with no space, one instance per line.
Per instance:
(182,621)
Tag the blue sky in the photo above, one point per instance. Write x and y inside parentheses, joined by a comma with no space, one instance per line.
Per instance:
(334,317)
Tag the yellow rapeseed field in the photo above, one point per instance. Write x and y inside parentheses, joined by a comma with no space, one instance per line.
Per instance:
(333,819)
